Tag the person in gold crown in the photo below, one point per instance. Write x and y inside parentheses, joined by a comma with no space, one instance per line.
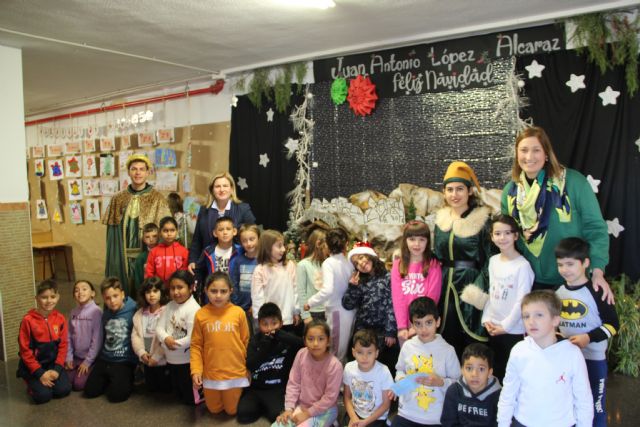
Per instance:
(463,246)
(129,211)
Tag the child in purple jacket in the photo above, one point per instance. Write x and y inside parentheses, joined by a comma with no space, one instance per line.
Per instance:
(85,334)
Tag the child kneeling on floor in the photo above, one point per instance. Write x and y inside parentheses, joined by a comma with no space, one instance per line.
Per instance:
(43,347)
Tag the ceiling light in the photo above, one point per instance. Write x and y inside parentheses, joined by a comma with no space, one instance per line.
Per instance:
(318,4)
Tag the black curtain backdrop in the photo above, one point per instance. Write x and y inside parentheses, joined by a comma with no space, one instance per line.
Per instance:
(251,136)
(594,139)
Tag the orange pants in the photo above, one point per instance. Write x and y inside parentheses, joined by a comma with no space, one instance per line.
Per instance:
(218,400)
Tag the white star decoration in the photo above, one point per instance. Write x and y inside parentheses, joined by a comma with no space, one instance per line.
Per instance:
(292,145)
(242,183)
(264,160)
(638,143)
(609,96)
(593,183)
(614,227)
(535,69)
(575,83)
(270,115)
(234,101)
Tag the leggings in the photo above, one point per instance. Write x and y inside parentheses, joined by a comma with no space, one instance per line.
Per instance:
(218,400)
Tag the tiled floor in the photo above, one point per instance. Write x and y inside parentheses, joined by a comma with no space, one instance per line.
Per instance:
(143,409)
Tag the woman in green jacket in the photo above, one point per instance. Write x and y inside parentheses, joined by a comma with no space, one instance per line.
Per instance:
(551,202)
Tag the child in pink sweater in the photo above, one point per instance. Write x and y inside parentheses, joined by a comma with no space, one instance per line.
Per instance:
(314,382)
(415,274)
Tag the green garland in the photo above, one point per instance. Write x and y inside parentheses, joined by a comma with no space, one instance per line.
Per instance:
(594,31)
(625,345)
(279,90)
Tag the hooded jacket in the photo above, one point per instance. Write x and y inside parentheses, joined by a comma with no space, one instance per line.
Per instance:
(118,326)
(43,343)
(462,407)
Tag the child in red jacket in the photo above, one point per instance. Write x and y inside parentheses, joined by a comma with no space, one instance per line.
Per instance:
(169,256)
(43,347)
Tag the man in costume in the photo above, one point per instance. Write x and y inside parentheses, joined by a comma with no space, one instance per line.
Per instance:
(129,211)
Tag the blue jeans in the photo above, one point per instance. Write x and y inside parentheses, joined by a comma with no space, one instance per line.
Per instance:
(597,370)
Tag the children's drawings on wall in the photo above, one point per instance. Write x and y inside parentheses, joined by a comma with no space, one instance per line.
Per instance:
(104,206)
(57,215)
(146,139)
(41,209)
(166,180)
(89,167)
(107,144)
(37,152)
(55,150)
(187,182)
(75,189)
(191,208)
(74,147)
(73,166)
(108,187)
(125,142)
(123,156)
(107,166)
(38,167)
(76,213)
(56,169)
(89,145)
(164,136)
(91,187)
(165,158)
(124,181)
(92,209)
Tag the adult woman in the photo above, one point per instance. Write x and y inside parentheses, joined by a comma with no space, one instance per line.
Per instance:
(462,244)
(222,202)
(551,202)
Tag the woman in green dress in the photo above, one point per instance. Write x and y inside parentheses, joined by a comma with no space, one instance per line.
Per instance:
(463,246)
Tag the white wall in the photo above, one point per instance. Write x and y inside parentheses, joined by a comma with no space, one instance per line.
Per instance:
(13,171)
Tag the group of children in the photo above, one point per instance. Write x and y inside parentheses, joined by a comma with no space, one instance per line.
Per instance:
(381,324)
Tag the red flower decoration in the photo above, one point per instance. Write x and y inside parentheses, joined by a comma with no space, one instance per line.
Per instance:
(362,96)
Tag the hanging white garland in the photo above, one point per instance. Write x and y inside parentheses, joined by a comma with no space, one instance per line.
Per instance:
(304,126)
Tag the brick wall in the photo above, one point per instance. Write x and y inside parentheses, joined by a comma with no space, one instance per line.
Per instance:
(16,265)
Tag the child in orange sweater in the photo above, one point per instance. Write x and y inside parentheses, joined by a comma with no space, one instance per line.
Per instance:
(219,347)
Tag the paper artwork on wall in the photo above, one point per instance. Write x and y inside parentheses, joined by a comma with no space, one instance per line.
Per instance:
(124,181)
(57,215)
(38,167)
(107,144)
(165,158)
(37,152)
(89,167)
(73,166)
(125,142)
(91,187)
(123,156)
(191,208)
(107,166)
(74,147)
(76,213)
(146,139)
(55,150)
(164,136)
(166,180)
(92,209)
(41,209)
(75,189)
(187,182)
(89,145)
(104,206)
(56,169)
(108,187)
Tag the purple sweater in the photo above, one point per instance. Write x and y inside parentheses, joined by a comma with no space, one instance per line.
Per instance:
(313,384)
(85,333)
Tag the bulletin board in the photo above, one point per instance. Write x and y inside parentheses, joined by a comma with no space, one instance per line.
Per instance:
(209,155)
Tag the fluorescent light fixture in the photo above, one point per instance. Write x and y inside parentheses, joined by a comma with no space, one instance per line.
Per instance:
(318,4)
